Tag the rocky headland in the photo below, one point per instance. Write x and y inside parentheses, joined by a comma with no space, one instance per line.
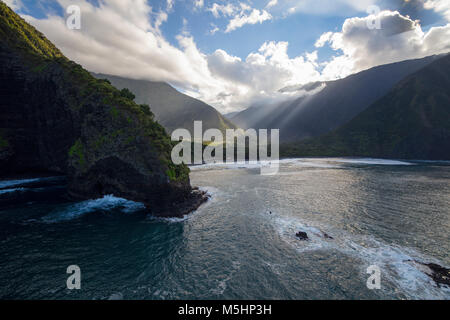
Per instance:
(57,118)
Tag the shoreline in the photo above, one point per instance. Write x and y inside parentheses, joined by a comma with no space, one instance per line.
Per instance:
(21,183)
(181,209)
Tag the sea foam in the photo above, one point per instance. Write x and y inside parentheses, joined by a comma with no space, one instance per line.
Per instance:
(12,183)
(11,190)
(79,209)
(391,259)
(372,161)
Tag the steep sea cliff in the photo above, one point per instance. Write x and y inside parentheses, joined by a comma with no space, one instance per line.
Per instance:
(56,117)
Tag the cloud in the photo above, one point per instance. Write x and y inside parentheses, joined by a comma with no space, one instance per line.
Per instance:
(199,3)
(264,72)
(222,10)
(118,38)
(272,3)
(440,6)
(14,4)
(255,16)
(241,14)
(324,38)
(170,4)
(214,29)
(323,7)
(123,37)
(399,38)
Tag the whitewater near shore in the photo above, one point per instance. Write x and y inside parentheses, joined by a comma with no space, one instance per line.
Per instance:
(242,243)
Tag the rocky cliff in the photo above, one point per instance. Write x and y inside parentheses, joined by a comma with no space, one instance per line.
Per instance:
(56,117)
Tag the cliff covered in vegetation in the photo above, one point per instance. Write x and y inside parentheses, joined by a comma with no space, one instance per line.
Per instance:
(56,117)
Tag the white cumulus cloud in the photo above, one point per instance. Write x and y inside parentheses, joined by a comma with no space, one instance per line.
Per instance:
(324,7)
(272,3)
(240,14)
(222,10)
(441,6)
(399,38)
(123,37)
(243,18)
(199,3)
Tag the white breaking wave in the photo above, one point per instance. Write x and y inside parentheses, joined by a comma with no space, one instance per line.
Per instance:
(304,162)
(170,220)
(224,165)
(106,203)
(371,161)
(391,259)
(12,190)
(116,296)
(212,192)
(223,283)
(395,266)
(288,227)
(315,164)
(12,183)
(241,164)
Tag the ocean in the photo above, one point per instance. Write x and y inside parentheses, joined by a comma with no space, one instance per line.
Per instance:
(242,244)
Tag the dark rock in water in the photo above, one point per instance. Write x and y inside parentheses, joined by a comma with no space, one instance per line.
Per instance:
(180,209)
(56,117)
(439,274)
(302,235)
(327,236)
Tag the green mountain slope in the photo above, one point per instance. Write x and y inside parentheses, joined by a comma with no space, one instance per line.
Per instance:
(335,105)
(171,108)
(411,122)
(55,116)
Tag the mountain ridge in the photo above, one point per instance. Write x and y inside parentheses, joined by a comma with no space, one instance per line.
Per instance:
(411,122)
(172,108)
(336,104)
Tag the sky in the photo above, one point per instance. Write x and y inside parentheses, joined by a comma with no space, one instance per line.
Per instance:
(239,53)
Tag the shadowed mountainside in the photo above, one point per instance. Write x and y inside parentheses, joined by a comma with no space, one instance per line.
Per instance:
(56,117)
(333,106)
(172,109)
(411,122)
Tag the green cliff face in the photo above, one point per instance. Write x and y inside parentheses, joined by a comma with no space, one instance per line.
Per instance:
(410,122)
(56,117)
